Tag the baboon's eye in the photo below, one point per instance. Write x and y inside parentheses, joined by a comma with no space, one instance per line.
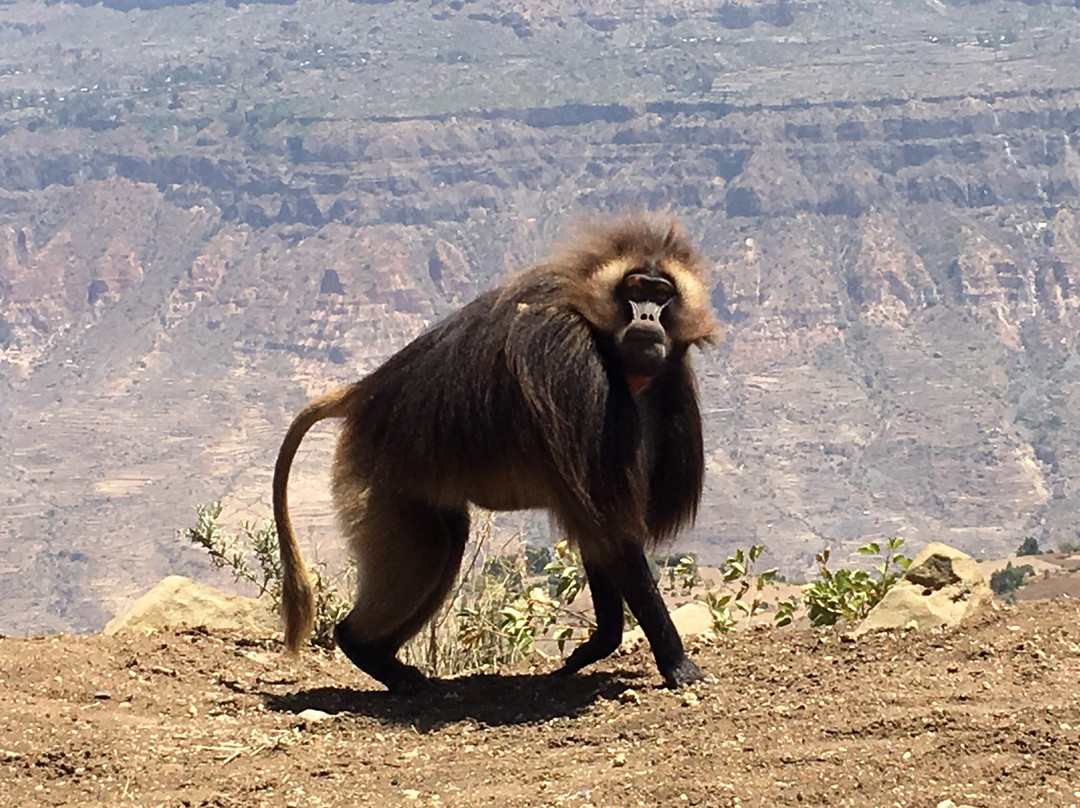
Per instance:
(639,286)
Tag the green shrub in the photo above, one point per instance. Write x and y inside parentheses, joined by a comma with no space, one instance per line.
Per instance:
(498,613)
(1029,547)
(536,559)
(1006,581)
(508,606)
(848,595)
(253,556)
(748,600)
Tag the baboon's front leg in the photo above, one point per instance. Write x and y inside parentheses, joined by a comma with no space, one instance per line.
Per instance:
(635,581)
(608,605)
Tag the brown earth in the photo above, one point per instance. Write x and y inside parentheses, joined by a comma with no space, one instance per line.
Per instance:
(1050,586)
(987,715)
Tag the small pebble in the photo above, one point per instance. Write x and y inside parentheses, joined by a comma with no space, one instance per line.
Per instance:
(630,696)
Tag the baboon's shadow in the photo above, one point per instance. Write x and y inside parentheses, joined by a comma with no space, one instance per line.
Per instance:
(493,700)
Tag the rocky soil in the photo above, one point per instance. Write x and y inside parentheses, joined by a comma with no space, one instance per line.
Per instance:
(985,715)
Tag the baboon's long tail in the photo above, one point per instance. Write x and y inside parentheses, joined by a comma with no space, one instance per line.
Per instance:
(297,596)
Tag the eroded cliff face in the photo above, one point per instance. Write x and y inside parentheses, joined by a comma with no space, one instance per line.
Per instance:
(208,238)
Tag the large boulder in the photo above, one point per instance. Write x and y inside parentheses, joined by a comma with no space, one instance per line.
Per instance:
(177,601)
(942,587)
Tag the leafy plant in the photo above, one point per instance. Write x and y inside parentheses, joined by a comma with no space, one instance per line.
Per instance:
(234,554)
(726,609)
(785,612)
(333,600)
(846,594)
(500,614)
(506,567)
(740,567)
(504,604)
(839,595)
(537,558)
(720,612)
(507,604)
(685,574)
(253,556)
(888,571)
(566,575)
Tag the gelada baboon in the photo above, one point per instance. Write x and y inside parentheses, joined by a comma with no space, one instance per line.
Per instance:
(567,388)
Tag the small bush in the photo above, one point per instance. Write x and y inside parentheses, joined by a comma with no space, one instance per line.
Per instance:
(748,600)
(504,604)
(1029,547)
(502,614)
(253,556)
(849,594)
(1006,581)
(509,605)
(677,574)
(536,559)
(235,554)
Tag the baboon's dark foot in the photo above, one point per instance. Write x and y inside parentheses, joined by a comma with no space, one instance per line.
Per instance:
(598,646)
(683,673)
(379,663)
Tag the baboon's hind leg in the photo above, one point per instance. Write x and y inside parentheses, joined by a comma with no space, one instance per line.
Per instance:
(407,554)
(378,660)
(456,528)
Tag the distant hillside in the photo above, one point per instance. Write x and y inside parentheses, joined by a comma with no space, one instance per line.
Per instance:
(208,213)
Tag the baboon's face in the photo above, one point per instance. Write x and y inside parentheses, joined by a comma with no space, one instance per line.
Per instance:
(648,299)
(645,293)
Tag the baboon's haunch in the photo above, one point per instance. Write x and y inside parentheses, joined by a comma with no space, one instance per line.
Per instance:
(567,388)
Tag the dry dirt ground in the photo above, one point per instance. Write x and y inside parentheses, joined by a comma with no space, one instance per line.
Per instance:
(988,715)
